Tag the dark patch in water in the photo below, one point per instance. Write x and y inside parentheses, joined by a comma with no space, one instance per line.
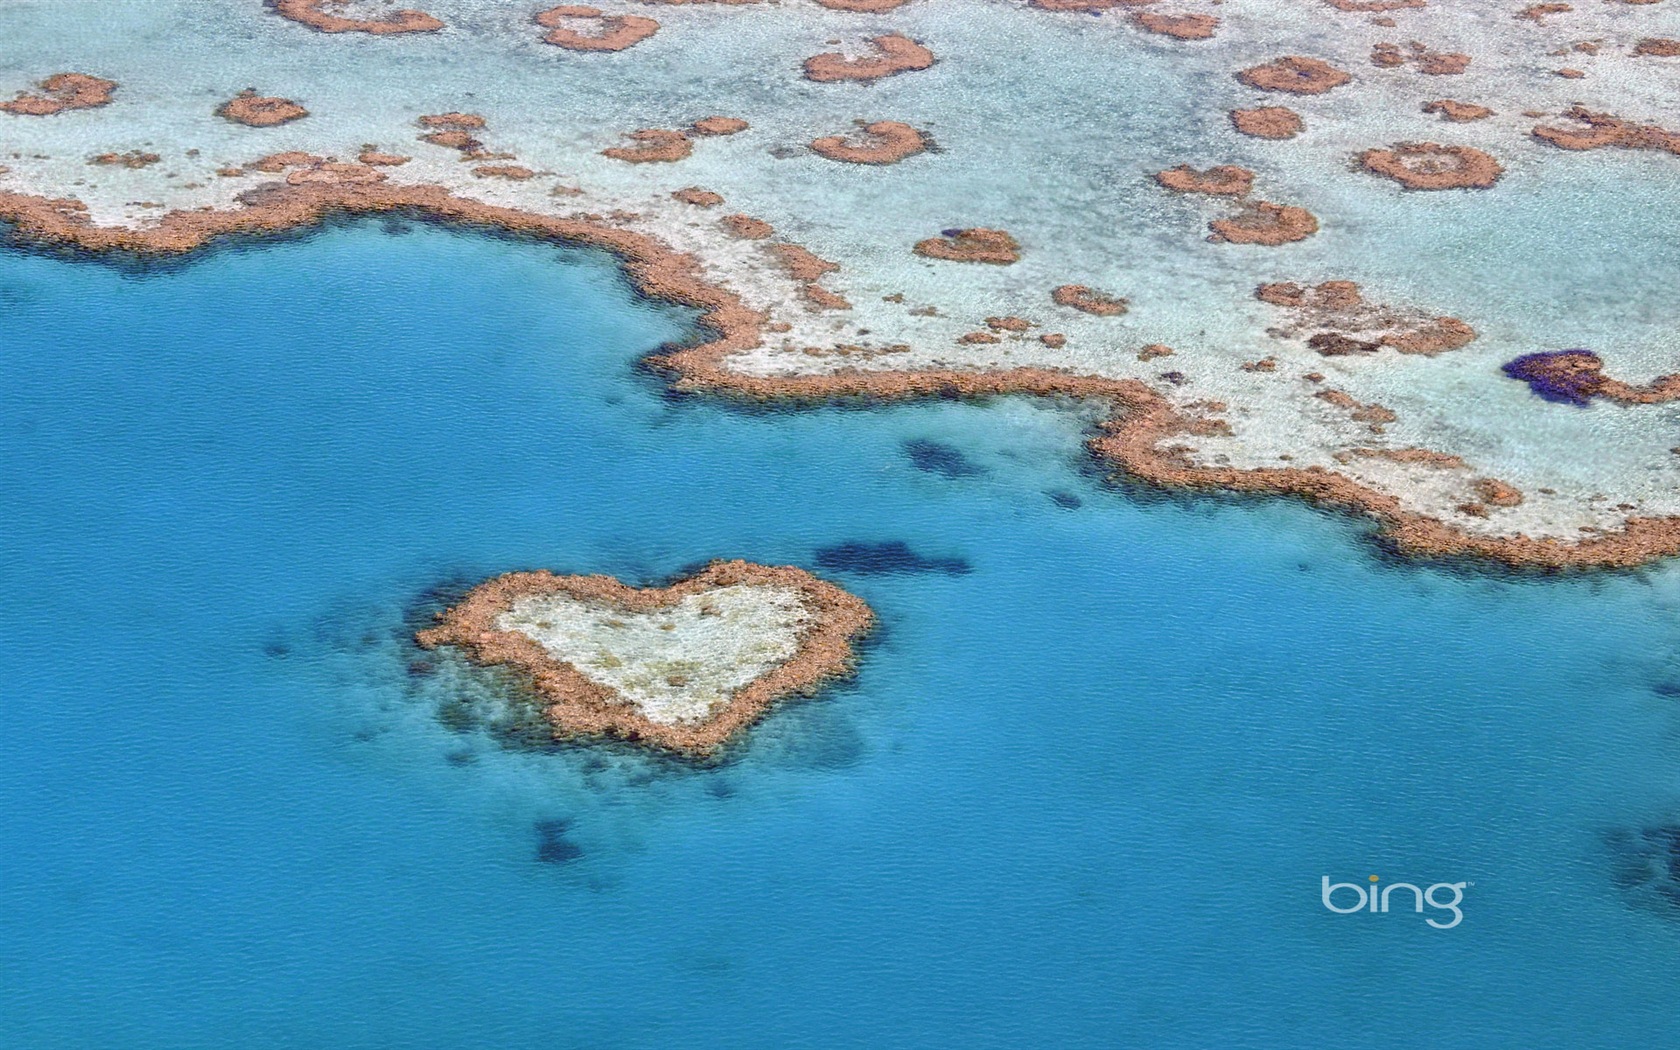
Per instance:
(1670,690)
(1645,865)
(461,758)
(1065,500)
(931,457)
(553,847)
(1546,375)
(894,556)
(276,650)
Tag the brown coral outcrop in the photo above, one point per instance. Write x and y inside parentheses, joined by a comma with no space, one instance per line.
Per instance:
(318,15)
(1181,27)
(1431,166)
(1295,75)
(1496,493)
(132,159)
(747,228)
(971,245)
(894,54)
(719,126)
(1601,131)
(616,32)
(60,92)
(334,173)
(1224,180)
(1263,222)
(1086,6)
(1089,300)
(700,198)
(1457,112)
(1335,319)
(1267,122)
(652,145)
(577,705)
(1375,6)
(883,142)
(1538,12)
(260,111)
(1433,63)
(512,172)
(1657,47)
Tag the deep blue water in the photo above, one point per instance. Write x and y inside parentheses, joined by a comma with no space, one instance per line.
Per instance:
(1082,792)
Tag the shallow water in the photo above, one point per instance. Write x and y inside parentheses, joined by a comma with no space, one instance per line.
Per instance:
(1080,794)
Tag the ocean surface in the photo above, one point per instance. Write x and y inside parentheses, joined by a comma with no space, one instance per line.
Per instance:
(1082,793)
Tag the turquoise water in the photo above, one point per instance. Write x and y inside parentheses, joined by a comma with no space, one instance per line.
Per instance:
(1080,795)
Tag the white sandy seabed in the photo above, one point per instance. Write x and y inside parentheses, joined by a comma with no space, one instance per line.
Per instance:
(1048,125)
(679,663)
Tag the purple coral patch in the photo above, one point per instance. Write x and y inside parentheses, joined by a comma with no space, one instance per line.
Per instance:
(1565,376)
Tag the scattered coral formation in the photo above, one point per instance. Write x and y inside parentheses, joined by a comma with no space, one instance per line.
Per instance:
(1224,180)
(1431,166)
(1335,319)
(971,245)
(883,142)
(1418,54)
(1295,75)
(260,111)
(698,197)
(1457,112)
(1658,47)
(718,126)
(893,54)
(1267,122)
(1263,222)
(652,145)
(60,92)
(1603,131)
(1180,27)
(616,32)
(319,15)
(747,228)
(132,159)
(1088,300)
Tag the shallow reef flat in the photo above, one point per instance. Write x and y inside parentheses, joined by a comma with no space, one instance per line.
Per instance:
(1289,247)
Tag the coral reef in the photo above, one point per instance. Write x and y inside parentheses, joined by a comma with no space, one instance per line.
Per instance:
(1263,222)
(1088,300)
(1431,166)
(884,142)
(1225,180)
(1181,27)
(260,111)
(1457,112)
(1603,131)
(1342,322)
(894,54)
(1295,75)
(1267,122)
(617,32)
(586,688)
(318,15)
(60,92)
(652,145)
(971,245)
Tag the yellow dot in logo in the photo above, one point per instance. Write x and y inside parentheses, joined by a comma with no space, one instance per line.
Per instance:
(1375,878)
